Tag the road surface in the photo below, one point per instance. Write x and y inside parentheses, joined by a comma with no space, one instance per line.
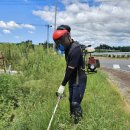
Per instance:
(119,64)
(118,71)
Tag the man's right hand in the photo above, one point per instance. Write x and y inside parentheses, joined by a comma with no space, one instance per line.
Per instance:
(60,90)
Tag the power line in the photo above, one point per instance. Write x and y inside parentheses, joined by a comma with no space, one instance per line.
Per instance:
(33,24)
(22,4)
(13,2)
(5,1)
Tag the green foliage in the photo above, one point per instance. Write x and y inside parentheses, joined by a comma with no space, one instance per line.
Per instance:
(106,48)
(9,92)
(27,100)
(38,74)
(102,107)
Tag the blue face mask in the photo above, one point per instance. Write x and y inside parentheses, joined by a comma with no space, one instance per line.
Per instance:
(61,48)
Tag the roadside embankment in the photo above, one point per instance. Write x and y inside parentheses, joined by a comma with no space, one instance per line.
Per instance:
(122,80)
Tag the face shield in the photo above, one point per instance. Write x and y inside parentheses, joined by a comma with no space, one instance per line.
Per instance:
(59,41)
(57,44)
(61,38)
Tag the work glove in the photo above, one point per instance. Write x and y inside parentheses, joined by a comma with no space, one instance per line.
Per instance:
(60,90)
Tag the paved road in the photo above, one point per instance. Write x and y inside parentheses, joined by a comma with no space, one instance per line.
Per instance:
(120,64)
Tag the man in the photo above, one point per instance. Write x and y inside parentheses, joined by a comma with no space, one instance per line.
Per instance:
(75,73)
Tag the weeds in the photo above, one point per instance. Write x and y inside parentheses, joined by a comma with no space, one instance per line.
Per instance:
(28,99)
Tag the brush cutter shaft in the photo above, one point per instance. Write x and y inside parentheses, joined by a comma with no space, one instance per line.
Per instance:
(54,113)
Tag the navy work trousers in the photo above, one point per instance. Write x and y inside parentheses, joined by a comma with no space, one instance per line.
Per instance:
(76,90)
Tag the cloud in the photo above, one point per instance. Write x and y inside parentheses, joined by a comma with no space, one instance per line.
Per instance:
(45,15)
(17,37)
(28,26)
(67,2)
(14,25)
(31,32)
(6,31)
(8,25)
(106,23)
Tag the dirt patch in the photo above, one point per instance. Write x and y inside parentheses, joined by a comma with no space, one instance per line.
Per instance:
(122,80)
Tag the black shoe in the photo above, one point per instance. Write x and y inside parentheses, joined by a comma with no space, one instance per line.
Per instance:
(77,117)
(77,112)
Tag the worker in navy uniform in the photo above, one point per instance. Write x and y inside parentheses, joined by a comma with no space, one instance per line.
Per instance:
(74,74)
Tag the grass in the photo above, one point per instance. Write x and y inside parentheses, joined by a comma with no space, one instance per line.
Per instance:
(129,91)
(102,106)
(28,99)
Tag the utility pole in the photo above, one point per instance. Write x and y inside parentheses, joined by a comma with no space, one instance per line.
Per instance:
(55,21)
(47,42)
(55,14)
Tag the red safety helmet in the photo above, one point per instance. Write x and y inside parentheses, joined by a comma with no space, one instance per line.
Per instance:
(59,33)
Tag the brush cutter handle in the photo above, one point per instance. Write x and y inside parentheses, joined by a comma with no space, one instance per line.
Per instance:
(59,97)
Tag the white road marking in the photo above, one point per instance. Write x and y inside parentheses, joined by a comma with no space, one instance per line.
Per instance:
(116,66)
(119,69)
(129,66)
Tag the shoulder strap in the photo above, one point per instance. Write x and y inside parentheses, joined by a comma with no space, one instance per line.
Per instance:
(73,46)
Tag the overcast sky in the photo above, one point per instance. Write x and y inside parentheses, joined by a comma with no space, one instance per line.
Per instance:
(92,21)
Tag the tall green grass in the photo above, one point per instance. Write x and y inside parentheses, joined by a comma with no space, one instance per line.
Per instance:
(28,99)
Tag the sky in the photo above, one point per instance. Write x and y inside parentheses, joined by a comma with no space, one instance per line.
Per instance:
(92,21)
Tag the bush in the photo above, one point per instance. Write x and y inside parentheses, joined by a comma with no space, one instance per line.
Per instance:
(9,92)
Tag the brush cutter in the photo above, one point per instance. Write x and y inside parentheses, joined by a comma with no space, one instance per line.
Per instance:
(59,98)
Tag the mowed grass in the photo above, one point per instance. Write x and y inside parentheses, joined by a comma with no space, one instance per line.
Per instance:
(33,94)
(103,108)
